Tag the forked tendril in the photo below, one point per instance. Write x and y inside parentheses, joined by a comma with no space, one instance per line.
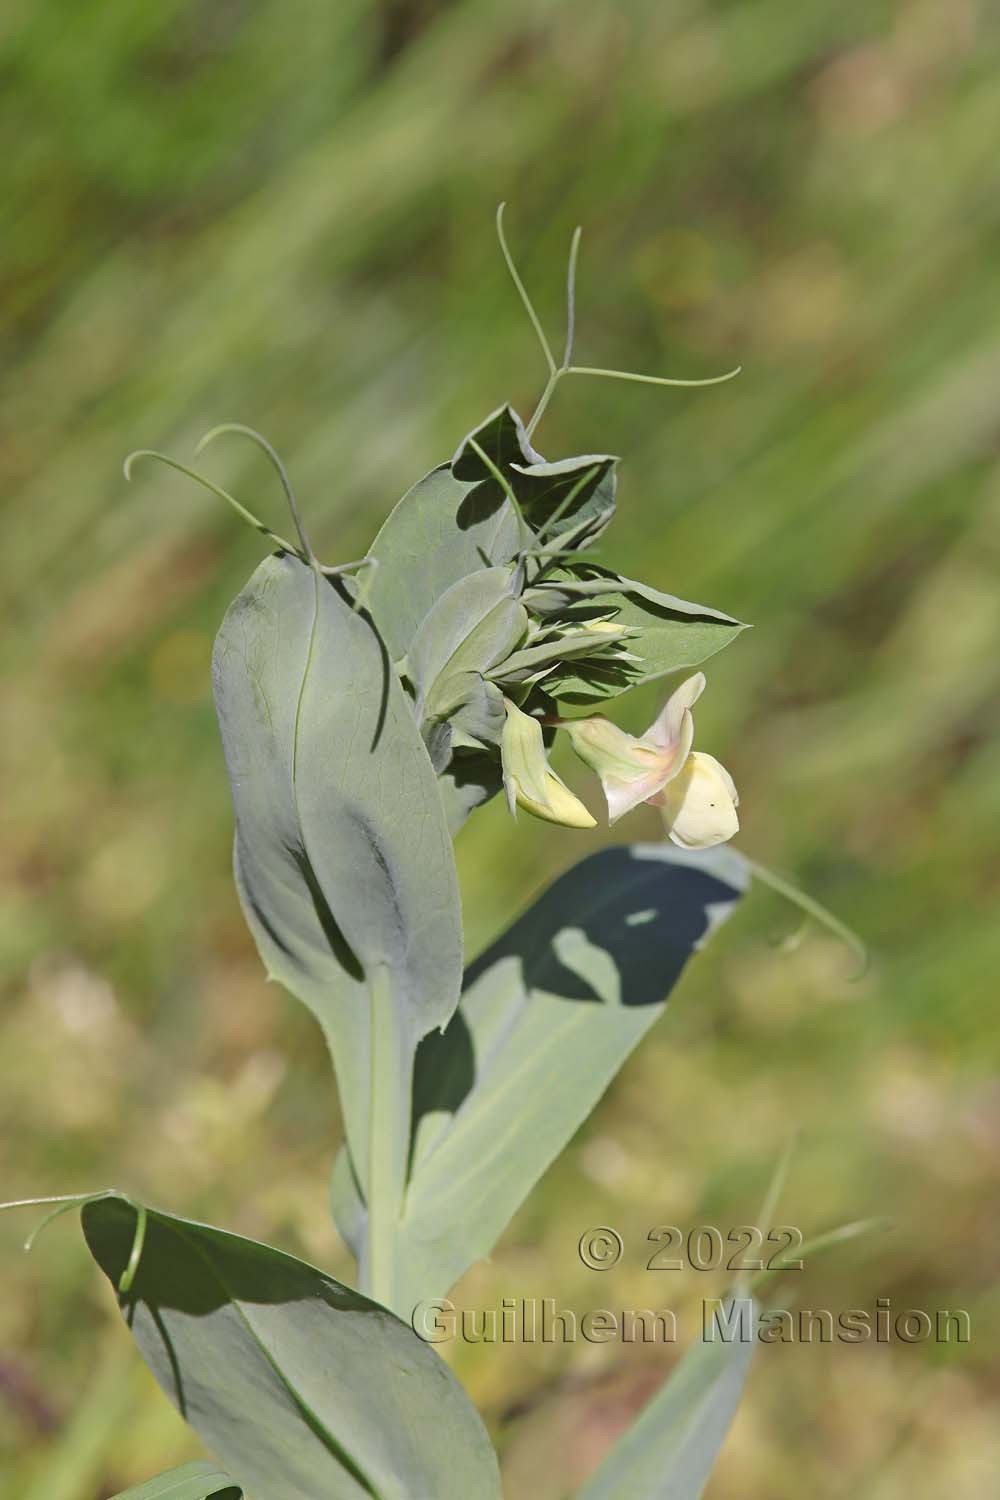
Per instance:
(53,1213)
(550,358)
(557,371)
(65,1201)
(304,551)
(216,489)
(275,461)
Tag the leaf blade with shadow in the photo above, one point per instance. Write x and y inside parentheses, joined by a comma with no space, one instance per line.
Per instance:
(343,860)
(548,1016)
(196,1481)
(303,1387)
(666,634)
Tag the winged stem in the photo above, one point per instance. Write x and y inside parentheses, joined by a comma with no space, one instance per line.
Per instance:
(389,1104)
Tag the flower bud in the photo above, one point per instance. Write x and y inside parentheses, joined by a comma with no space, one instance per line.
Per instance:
(528,779)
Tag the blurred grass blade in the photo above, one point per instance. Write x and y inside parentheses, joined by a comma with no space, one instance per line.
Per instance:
(776,1186)
(820,1242)
(670,1451)
(812,908)
(77,1456)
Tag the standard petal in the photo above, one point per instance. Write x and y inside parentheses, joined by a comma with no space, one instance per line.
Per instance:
(699,804)
(674,725)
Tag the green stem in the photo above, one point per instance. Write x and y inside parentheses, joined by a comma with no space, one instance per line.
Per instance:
(543,401)
(389,1103)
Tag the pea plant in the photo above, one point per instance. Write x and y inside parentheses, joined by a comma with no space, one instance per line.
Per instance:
(366,711)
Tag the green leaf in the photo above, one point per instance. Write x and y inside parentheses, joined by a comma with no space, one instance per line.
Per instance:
(472,777)
(197,1481)
(669,1452)
(548,1016)
(667,634)
(442,530)
(344,863)
(305,1389)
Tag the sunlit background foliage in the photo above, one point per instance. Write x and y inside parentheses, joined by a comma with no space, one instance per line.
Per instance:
(282,214)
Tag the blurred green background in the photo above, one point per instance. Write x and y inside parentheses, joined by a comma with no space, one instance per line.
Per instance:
(282,214)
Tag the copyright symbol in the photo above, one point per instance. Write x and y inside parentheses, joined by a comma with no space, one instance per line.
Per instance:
(601,1248)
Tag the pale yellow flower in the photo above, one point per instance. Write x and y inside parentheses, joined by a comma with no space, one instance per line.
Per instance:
(695,793)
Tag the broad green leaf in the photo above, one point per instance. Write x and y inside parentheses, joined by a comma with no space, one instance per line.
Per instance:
(343,859)
(667,634)
(669,1452)
(442,530)
(197,1481)
(565,587)
(304,1389)
(548,1016)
